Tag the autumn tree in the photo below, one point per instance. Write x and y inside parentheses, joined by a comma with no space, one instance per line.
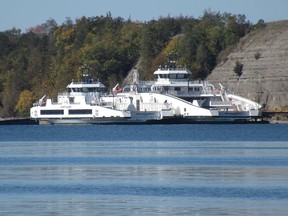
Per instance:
(24,103)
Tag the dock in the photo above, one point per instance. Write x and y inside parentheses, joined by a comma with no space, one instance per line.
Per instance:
(17,121)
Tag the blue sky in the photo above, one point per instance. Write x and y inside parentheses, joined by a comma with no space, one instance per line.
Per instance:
(23,14)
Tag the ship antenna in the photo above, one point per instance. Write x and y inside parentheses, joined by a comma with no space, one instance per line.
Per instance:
(135,76)
(173,59)
(85,72)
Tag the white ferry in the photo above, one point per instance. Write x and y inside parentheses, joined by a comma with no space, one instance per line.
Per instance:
(80,104)
(178,99)
(171,98)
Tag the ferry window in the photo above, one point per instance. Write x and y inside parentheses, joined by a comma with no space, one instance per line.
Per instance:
(162,75)
(180,76)
(93,89)
(177,89)
(80,111)
(52,112)
(144,89)
(173,76)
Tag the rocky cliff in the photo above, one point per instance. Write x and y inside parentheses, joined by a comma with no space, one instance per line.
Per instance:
(263,54)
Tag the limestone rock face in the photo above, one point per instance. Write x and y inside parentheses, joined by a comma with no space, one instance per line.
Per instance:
(264,56)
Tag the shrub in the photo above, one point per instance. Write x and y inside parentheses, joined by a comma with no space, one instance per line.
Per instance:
(238,68)
(257,55)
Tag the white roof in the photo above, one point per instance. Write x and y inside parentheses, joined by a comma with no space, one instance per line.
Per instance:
(171,71)
(86,85)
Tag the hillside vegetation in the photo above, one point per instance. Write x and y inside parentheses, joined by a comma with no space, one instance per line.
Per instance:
(47,57)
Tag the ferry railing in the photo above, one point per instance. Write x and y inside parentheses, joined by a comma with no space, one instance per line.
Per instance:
(151,106)
(86,82)
(120,106)
(63,94)
(220,103)
(143,106)
(189,93)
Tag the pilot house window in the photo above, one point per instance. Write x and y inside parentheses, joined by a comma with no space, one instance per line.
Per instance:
(52,112)
(80,112)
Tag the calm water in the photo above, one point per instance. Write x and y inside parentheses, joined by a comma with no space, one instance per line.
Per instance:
(144,170)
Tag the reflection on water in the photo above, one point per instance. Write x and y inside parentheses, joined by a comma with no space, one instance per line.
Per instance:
(143,178)
(137,205)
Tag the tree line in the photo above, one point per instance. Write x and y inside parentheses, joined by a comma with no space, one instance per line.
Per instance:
(44,59)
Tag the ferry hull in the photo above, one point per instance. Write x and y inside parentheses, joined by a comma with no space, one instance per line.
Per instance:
(136,118)
(83,121)
(150,118)
(209,120)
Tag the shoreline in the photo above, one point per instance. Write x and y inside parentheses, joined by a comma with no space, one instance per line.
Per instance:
(28,121)
(17,121)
